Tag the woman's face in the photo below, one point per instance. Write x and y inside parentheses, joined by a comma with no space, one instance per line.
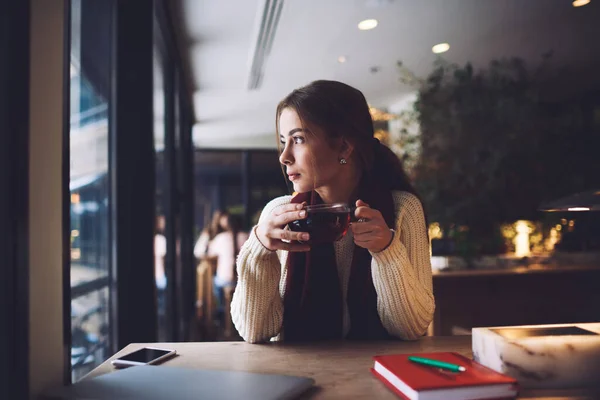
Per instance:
(310,161)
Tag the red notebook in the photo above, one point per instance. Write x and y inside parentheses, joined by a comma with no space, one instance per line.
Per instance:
(414,381)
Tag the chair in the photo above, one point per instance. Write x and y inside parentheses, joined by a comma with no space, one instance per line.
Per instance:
(204,296)
(200,291)
(228,324)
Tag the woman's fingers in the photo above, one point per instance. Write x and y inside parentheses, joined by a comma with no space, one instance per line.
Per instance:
(286,234)
(278,244)
(360,228)
(287,208)
(364,244)
(276,237)
(360,203)
(293,246)
(287,213)
(366,213)
(369,235)
(369,241)
(288,216)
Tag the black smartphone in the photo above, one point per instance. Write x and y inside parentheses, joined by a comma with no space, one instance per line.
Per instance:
(143,356)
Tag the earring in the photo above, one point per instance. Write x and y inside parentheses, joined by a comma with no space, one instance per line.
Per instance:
(343,161)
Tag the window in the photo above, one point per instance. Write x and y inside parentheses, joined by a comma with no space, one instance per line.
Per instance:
(160,235)
(89,184)
(172,149)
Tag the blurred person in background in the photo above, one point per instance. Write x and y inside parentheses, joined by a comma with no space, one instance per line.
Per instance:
(225,246)
(160,251)
(213,229)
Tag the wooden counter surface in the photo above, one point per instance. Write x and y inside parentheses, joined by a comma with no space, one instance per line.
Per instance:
(531,269)
(340,369)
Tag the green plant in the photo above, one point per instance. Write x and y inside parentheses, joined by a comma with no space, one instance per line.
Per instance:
(492,147)
(406,140)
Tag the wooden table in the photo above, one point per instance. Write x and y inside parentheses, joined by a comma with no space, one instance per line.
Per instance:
(340,369)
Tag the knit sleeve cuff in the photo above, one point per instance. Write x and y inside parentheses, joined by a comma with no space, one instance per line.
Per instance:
(391,254)
(256,249)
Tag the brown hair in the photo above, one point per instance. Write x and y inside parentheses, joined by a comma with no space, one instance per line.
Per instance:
(214,228)
(341,111)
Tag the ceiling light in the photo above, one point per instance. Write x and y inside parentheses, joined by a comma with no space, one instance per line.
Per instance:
(579,3)
(367,24)
(440,48)
(341,59)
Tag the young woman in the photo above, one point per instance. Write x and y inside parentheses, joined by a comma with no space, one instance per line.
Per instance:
(374,283)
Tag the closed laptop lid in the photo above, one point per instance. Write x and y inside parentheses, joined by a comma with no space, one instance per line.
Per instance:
(160,382)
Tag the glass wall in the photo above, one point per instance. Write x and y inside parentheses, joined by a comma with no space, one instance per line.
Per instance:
(239,183)
(171,149)
(89,211)
(223,176)
(160,240)
(128,138)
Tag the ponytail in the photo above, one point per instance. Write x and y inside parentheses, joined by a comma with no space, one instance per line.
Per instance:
(388,170)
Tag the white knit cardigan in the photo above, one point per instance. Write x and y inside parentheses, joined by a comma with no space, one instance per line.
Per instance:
(401,276)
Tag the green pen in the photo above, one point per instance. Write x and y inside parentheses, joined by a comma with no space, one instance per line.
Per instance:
(436,363)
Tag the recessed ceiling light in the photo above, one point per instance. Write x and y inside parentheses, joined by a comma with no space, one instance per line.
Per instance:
(579,3)
(440,48)
(341,59)
(367,24)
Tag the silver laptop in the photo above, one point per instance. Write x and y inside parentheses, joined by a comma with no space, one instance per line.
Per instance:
(162,383)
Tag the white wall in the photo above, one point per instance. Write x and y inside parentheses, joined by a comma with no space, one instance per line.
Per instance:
(46,364)
(219,136)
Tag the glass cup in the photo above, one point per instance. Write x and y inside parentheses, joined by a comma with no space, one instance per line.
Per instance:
(326,223)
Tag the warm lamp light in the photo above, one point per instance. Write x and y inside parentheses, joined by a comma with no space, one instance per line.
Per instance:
(379,115)
(585,201)
(580,3)
(521,241)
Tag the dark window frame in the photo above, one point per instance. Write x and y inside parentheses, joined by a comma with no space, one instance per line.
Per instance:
(14,207)
(131,160)
(66,193)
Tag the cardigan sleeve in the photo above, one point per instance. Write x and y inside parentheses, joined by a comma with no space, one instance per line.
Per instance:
(402,273)
(257,307)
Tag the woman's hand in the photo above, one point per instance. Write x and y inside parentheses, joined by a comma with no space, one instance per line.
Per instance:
(370,231)
(272,233)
